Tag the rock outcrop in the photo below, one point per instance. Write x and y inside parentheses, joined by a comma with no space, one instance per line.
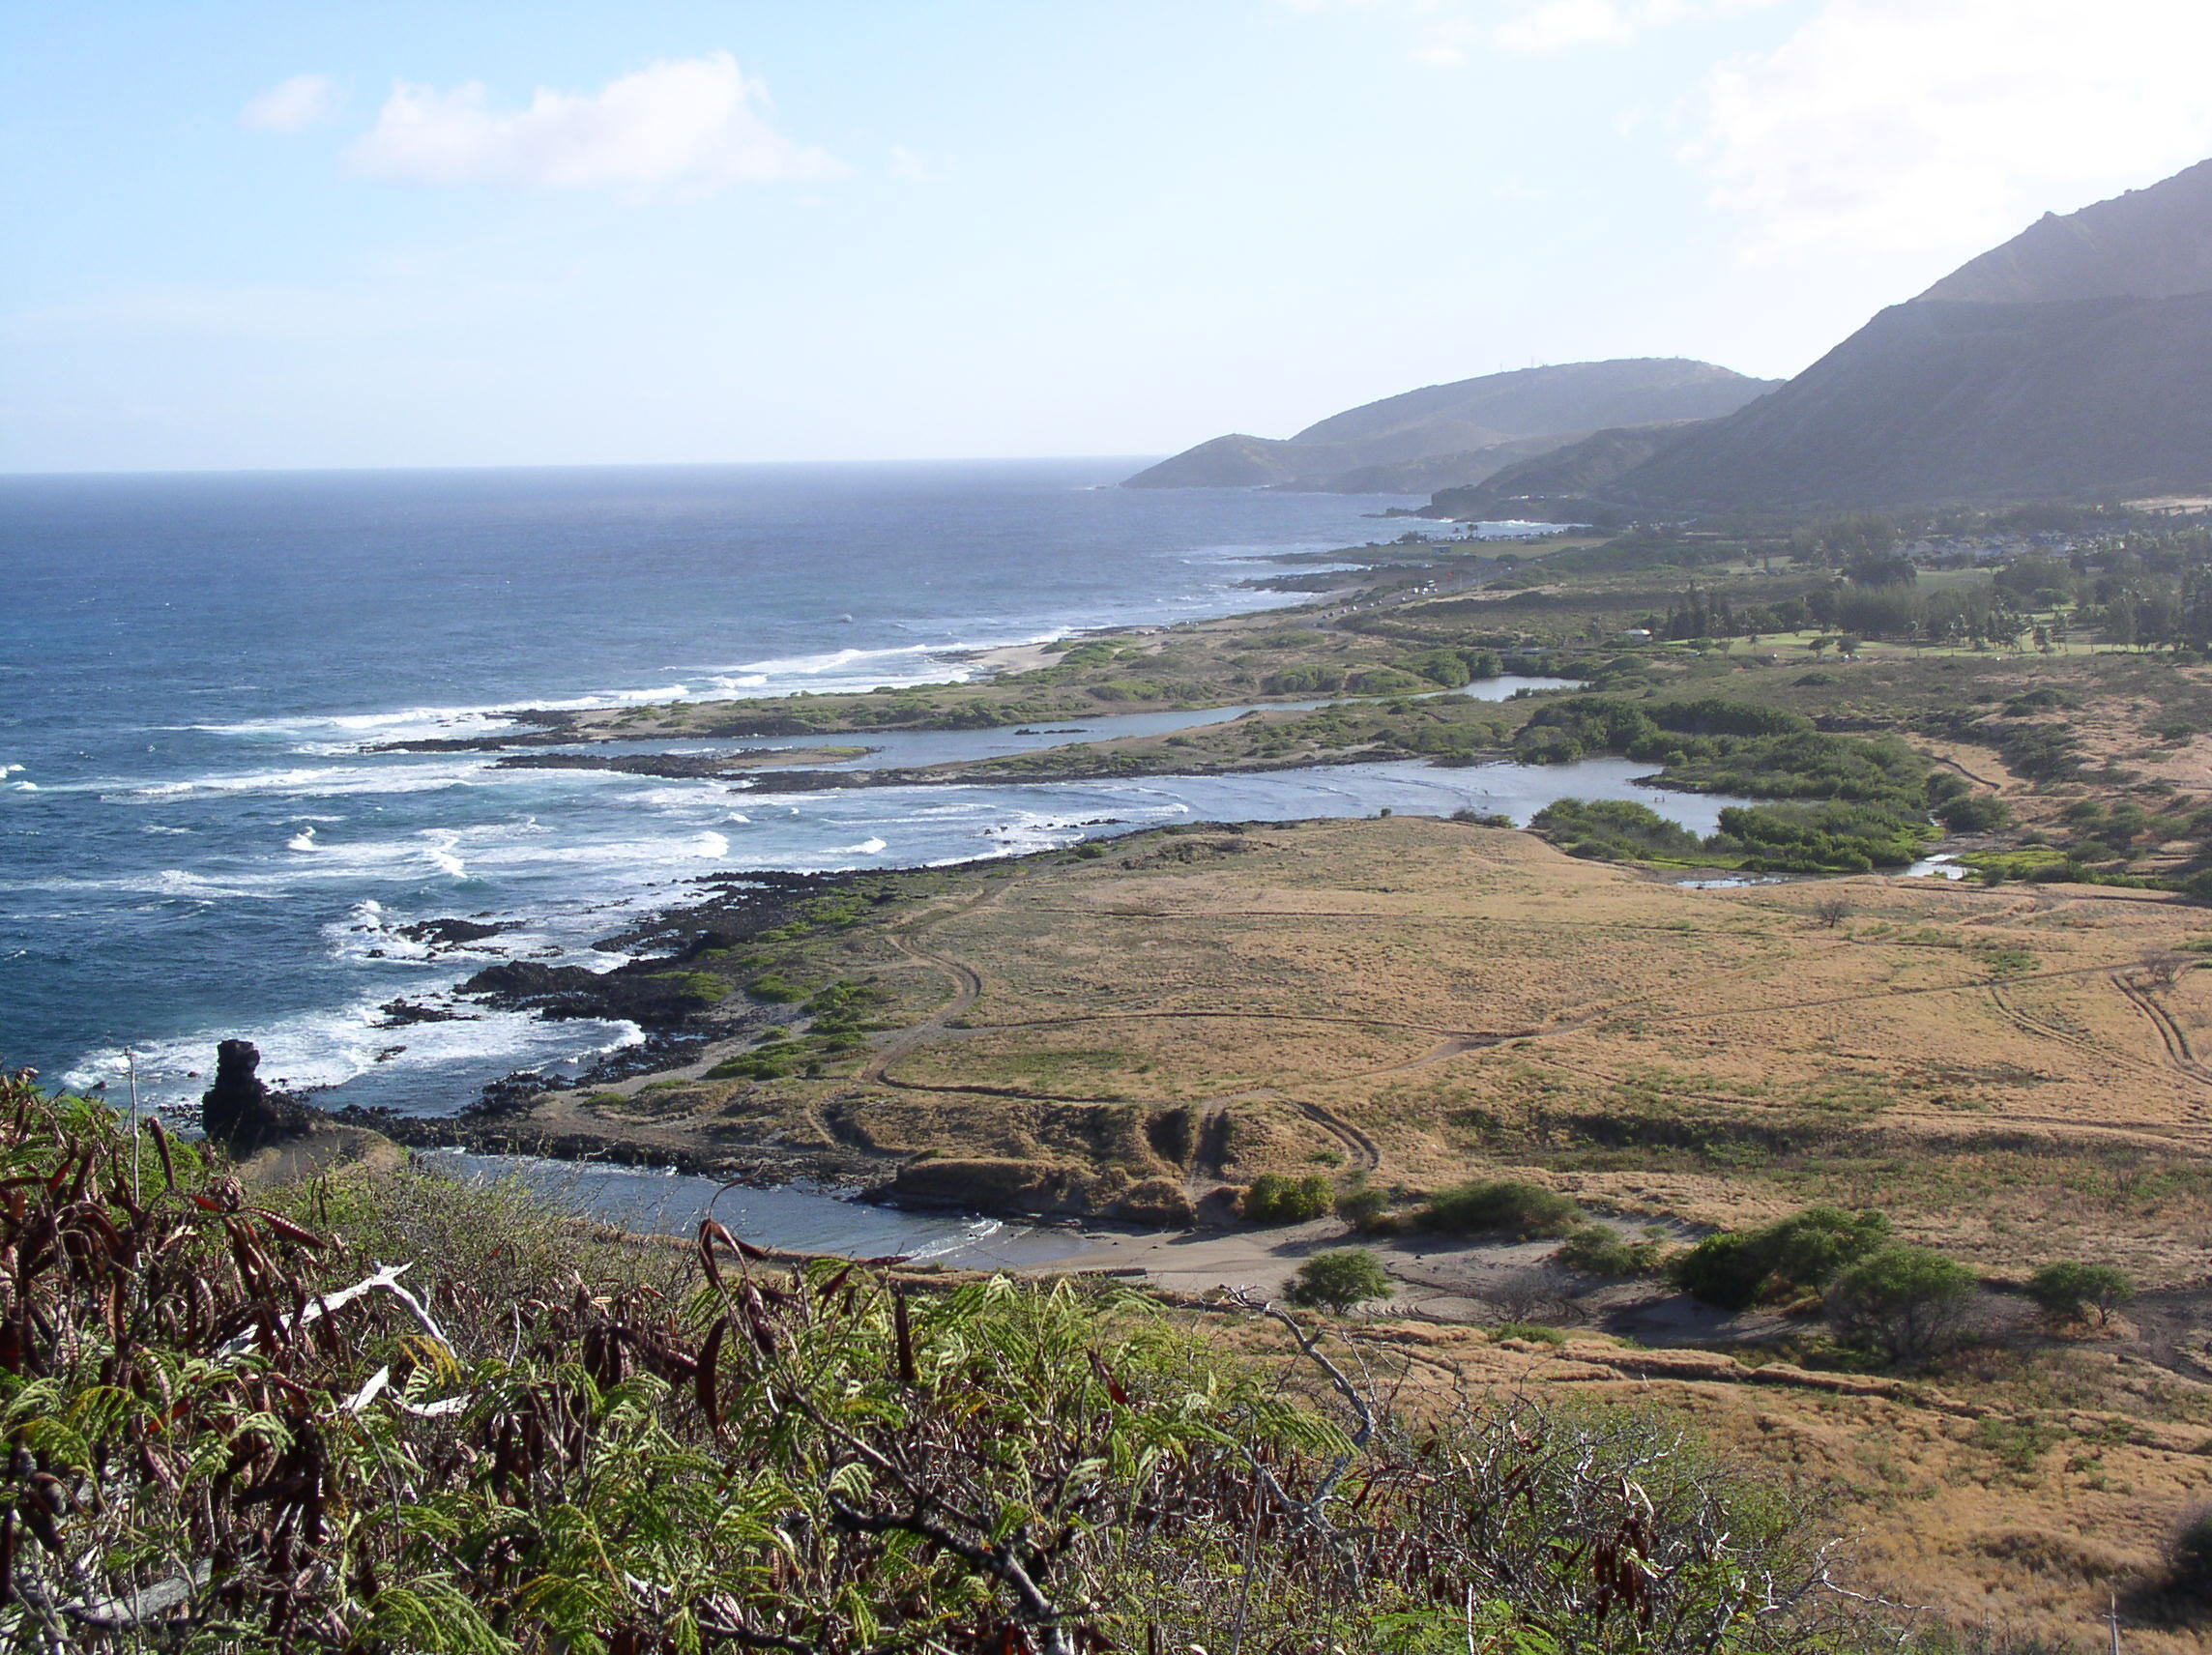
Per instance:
(241,1111)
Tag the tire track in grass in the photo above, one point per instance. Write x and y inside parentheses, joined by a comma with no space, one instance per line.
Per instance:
(2179,1054)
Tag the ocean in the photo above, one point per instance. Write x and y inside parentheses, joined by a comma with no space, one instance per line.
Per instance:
(197,843)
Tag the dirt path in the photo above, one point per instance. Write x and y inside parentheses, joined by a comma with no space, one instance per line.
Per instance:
(2170,1033)
(2027,1023)
(966,991)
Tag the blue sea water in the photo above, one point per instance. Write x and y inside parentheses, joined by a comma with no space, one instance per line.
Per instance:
(196,841)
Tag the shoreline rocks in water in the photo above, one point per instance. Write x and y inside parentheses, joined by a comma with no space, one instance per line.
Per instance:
(656,993)
(454,933)
(1035,1189)
(653,998)
(274,1137)
(403,1013)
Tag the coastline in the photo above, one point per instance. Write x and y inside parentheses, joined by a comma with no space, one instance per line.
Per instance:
(675,1048)
(1015,657)
(1085,671)
(678,1042)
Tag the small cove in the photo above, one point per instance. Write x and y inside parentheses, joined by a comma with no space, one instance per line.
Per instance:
(800,1217)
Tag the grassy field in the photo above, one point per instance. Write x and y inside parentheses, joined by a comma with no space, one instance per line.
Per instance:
(2008,1067)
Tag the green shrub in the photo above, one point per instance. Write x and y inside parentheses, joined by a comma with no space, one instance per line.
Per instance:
(1303,680)
(699,988)
(2188,1560)
(774,1064)
(1593,827)
(1387,680)
(2071,1289)
(1509,1205)
(1273,1199)
(1366,1207)
(1599,1250)
(1736,1268)
(1809,1248)
(1724,1270)
(1830,837)
(1438,666)
(1534,1332)
(775,990)
(1906,1303)
(1974,813)
(1337,1280)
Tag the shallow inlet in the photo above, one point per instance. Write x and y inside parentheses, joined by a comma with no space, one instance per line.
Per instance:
(801,1217)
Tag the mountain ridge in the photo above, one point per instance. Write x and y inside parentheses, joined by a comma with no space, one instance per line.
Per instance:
(1471,425)
(2073,361)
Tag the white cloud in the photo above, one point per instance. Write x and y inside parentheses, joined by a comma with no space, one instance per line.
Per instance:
(1450,32)
(291,104)
(1943,126)
(686,124)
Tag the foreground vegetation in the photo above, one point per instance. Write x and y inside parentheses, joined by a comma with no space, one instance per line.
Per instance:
(410,1415)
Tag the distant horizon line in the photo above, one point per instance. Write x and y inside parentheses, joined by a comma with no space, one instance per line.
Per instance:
(13,475)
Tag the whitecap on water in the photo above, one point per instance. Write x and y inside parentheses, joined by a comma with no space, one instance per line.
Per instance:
(329,781)
(444,1062)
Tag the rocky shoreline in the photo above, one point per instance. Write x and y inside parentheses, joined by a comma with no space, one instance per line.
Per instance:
(651,991)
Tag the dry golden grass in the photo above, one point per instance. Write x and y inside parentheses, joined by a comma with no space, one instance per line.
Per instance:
(2018,1501)
(2000,1067)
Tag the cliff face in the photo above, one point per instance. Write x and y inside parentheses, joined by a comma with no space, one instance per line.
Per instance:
(2075,360)
(1460,432)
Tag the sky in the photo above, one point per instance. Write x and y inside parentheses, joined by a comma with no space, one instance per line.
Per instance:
(287,234)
